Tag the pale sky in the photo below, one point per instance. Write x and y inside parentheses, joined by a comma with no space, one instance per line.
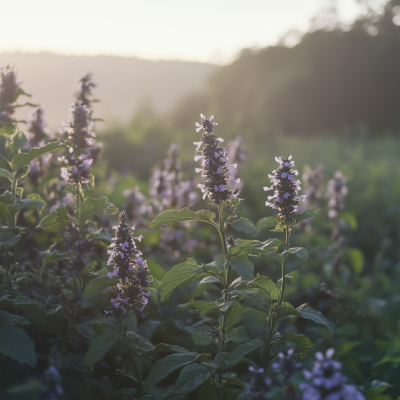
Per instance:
(207,30)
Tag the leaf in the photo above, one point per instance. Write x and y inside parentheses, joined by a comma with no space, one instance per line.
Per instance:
(156,270)
(17,142)
(97,350)
(21,173)
(191,377)
(283,311)
(23,159)
(268,222)
(306,214)
(309,313)
(222,360)
(162,368)
(57,216)
(33,200)
(299,252)
(244,225)
(8,240)
(101,236)
(163,348)
(8,129)
(210,279)
(232,379)
(303,342)
(91,207)
(6,198)
(376,389)
(10,319)
(129,320)
(181,275)
(27,388)
(16,343)
(243,266)
(73,361)
(240,351)
(86,331)
(96,286)
(171,216)
(5,174)
(355,258)
(290,279)
(140,342)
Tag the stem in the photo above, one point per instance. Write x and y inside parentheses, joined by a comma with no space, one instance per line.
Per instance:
(13,219)
(227,276)
(284,268)
(70,327)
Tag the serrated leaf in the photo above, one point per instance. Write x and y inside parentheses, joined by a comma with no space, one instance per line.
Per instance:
(16,343)
(96,286)
(163,348)
(267,222)
(303,342)
(181,275)
(33,200)
(243,266)
(5,174)
(299,252)
(306,214)
(191,377)
(91,207)
(290,279)
(244,225)
(243,349)
(57,216)
(162,368)
(21,173)
(10,319)
(23,159)
(222,360)
(308,312)
(86,331)
(8,240)
(73,361)
(97,350)
(283,311)
(171,216)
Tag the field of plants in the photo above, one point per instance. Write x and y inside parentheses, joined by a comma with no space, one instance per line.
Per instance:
(205,267)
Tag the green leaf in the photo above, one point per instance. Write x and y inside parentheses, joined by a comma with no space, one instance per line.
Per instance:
(101,236)
(299,252)
(21,173)
(283,311)
(232,379)
(73,361)
(181,275)
(354,258)
(10,319)
(91,207)
(97,350)
(140,342)
(243,266)
(5,174)
(33,200)
(268,222)
(23,159)
(171,216)
(240,351)
(57,216)
(303,342)
(222,360)
(96,286)
(17,142)
(86,331)
(244,225)
(8,129)
(309,313)
(191,377)
(156,270)
(28,388)
(8,240)
(376,389)
(16,343)
(129,320)
(6,198)
(290,279)
(306,214)
(163,348)
(162,368)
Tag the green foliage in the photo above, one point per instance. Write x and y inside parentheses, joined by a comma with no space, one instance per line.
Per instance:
(170,216)
(91,207)
(98,349)
(23,159)
(303,342)
(56,217)
(96,286)
(309,313)
(243,266)
(244,225)
(8,240)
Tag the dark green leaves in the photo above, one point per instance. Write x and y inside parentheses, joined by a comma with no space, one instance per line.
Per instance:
(191,377)
(8,240)
(309,313)
(376,389)
(268,222)
(91,207)
(243,266)
(299,252)
(303,342)
(5,174)
(279,224)
(98,349)
(33,200)
(244,225)
(56,217)
(23,159)
(171,216)
(181,275)
(96,286)
(306,214)
(240,351)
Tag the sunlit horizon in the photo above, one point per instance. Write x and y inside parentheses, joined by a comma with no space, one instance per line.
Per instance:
(213,32)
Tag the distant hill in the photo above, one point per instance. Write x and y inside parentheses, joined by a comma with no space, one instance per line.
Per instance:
(123,83)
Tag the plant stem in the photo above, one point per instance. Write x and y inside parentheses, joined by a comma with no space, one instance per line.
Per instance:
(287,231)
(13,219)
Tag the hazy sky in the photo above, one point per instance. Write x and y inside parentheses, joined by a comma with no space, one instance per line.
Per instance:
(207,30)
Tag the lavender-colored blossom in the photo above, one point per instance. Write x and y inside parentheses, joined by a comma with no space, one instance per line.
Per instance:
(259,384)
(336,193)
(286,365)
(326,382)
(51,379)
(129,269)
(159,187)
(313,180)
(9,90)
(236,156)
(37,132)
(285,198)
(214,164)
(136,205)
(84,93)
